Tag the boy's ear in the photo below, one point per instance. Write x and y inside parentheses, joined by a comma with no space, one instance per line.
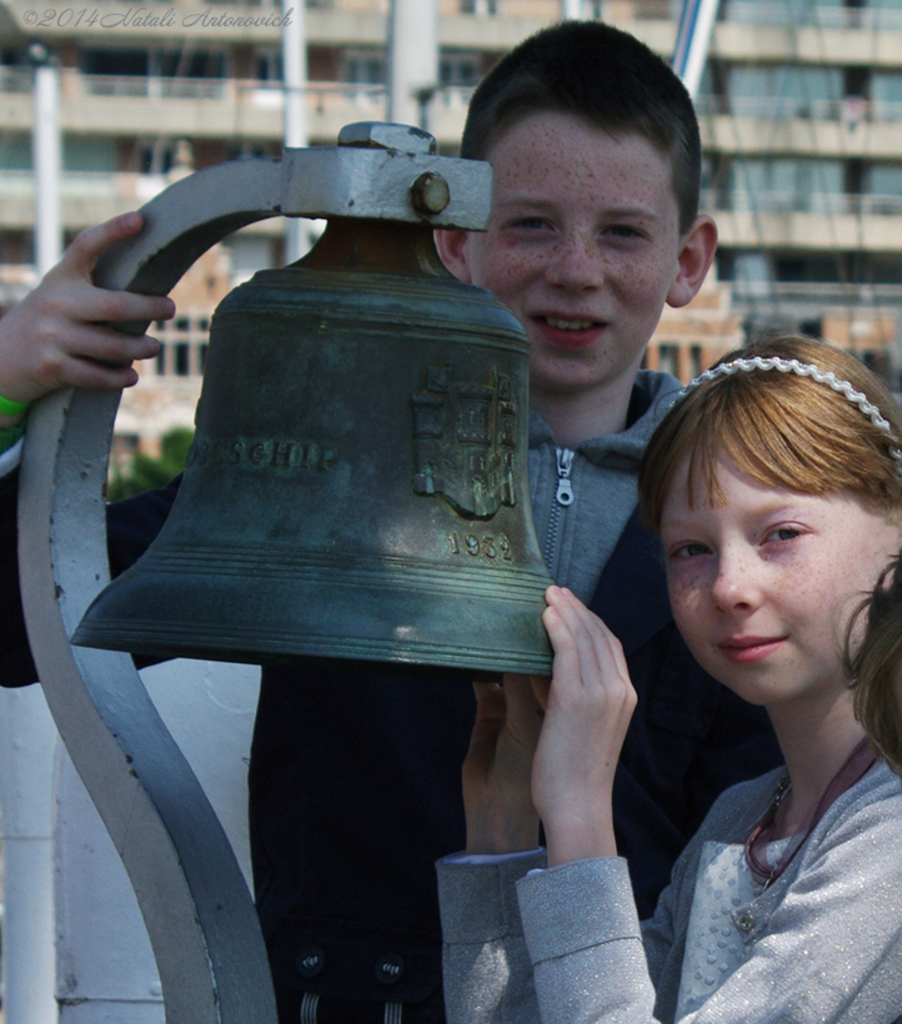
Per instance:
(695,258)
(452,250)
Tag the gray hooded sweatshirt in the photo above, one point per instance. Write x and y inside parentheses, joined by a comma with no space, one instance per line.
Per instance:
(582,500)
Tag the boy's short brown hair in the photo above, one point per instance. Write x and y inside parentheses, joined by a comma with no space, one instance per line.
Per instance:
(597,72)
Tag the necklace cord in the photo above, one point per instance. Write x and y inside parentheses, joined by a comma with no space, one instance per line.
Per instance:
(854,768)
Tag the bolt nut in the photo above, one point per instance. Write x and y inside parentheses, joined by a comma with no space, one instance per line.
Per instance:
(380,135)
(430,194)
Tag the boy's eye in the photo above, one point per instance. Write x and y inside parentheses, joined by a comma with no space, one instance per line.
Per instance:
(531,223)
(784,533)
(691,550)
(623,231)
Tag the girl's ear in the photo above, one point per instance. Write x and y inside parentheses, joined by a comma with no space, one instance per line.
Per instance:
(452,250)
(696,255)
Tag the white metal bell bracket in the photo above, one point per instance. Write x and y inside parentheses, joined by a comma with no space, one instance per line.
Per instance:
(198,912)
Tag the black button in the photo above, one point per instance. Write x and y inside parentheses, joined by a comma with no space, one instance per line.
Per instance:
(389,968)
(309,961)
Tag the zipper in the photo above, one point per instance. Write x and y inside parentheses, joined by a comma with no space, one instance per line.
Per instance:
(563,497)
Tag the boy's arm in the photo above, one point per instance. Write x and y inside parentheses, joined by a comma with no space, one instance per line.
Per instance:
(58,335)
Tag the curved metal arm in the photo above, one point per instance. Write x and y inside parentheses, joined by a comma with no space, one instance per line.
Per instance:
(198,912)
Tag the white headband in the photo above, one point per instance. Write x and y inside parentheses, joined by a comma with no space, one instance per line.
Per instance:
(843,387)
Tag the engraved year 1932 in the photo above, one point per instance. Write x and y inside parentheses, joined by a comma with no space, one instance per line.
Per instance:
(486,545)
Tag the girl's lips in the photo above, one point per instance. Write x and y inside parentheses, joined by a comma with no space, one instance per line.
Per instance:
(742,650)
(568,332)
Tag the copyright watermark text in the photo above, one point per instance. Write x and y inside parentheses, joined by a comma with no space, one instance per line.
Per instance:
(145,17)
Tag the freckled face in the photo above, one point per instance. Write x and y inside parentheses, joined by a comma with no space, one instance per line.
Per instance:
(583,247)
(762,586)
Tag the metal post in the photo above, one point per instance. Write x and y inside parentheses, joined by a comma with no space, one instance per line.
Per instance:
(27,738)
(47,162)
(27,733)
(412,59)
(693,42)
(294,79)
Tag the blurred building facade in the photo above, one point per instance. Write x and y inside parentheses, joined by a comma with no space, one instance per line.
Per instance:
(799,109)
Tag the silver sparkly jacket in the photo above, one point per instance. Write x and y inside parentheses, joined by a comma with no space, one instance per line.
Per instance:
(565,946)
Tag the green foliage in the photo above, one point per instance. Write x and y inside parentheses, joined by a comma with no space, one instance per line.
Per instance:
(145,472)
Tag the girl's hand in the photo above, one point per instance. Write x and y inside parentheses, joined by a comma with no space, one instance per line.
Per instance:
(496,772)
(587,711)
(55,337)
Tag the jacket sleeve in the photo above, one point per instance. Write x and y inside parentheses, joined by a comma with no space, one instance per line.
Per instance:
(131,526)
(487,971)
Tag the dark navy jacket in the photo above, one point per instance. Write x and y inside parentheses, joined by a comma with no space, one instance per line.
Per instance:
(355,782)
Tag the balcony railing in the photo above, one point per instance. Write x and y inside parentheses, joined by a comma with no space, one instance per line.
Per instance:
(797,13)
(826,203)
(142,187)
(252,92)
(825,295)
(851,110)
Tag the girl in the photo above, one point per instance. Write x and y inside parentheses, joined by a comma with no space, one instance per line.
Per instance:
(775,486)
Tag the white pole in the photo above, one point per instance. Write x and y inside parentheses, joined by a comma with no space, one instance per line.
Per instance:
(412,60)
(27,733)
(47,162)
(571,10)
(106,972)
(27,739)
(294,130)
(693,42)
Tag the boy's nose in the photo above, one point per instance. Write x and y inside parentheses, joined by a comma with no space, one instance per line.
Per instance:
(575,263)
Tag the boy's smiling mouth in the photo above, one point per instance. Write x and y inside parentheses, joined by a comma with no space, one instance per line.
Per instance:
(569,332)
(569,325)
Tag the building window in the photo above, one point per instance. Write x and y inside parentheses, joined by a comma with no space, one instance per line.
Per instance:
(182,359)
(787,185)
(363,67)
(461,69)
(186,63)
(695,361)
(269,66)
(785,90)
(480,7)
(669,359)
(102,61)
(883,189)
(886,96)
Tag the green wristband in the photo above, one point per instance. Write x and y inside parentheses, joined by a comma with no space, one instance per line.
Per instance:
(10,408)
(9,436)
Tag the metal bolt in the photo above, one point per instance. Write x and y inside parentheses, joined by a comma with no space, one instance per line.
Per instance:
(380,135)
(430,193)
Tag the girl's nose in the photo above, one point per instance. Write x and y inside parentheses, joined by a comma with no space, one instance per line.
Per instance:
(735,584)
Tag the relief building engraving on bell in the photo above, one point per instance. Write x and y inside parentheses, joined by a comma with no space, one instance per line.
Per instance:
(464,442)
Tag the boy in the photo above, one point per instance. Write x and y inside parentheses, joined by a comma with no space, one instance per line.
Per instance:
(355,774)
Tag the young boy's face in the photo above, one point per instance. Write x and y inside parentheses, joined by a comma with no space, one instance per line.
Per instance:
(584,247)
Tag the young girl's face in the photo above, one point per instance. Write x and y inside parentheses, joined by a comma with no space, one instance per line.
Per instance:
(762,584)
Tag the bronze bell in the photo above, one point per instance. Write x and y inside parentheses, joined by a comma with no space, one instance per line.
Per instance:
(357,485)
